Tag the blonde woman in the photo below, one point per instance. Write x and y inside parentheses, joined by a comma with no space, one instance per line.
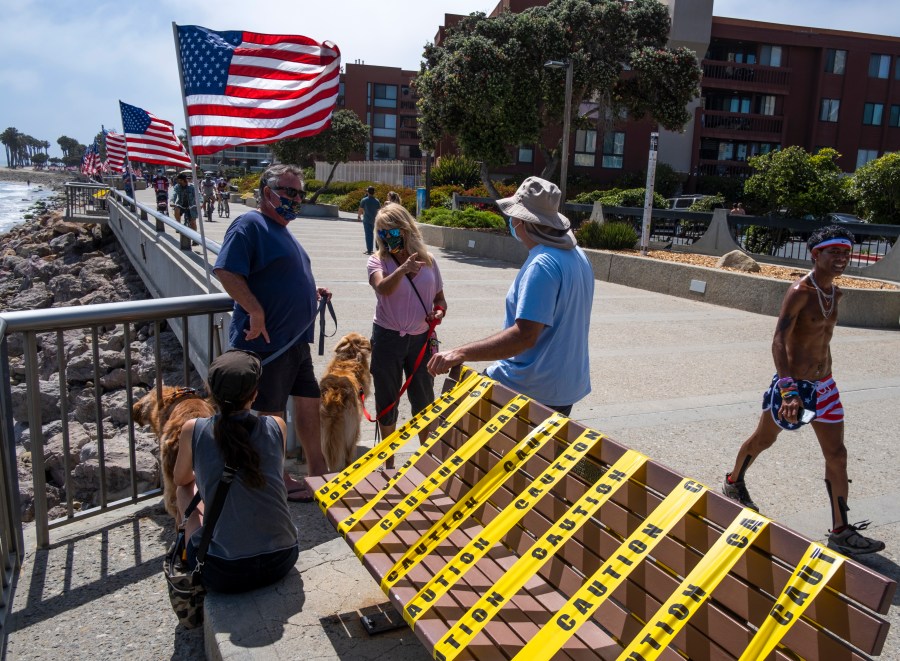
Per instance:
(393,198)
(409,294)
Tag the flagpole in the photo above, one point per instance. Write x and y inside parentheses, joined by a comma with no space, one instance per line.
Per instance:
(187,125)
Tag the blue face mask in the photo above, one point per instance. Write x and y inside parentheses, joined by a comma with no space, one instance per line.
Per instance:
(512,230)
(288,208)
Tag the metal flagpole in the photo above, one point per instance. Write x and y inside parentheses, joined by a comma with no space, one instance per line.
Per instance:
(187,124)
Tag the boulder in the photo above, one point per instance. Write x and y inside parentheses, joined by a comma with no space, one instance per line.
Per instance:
(86,476)
(739,260)
(36,297)
(54,457)
(48,399)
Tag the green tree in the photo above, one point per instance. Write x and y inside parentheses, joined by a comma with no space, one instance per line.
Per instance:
(10,139)
(876,189)
(487,87)
(67,144)
(39,159)
(794,183)
(347,134)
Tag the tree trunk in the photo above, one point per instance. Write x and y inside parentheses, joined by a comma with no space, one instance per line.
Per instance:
(486,180)
(551,160)
(315,196)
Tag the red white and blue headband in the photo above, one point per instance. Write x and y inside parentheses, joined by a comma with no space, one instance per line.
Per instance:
(834,242)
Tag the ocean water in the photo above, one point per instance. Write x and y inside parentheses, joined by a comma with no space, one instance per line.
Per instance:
(15,199)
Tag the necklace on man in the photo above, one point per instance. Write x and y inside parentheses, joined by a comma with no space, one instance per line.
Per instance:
(826,301)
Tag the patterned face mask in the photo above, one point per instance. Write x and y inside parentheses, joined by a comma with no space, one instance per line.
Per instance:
(288,208)
(392,238)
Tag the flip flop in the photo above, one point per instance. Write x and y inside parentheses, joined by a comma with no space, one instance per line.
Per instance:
(304,497)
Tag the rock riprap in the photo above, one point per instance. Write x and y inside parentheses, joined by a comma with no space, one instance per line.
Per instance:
(48,262)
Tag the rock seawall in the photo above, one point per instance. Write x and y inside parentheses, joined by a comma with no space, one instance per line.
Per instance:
(48,262)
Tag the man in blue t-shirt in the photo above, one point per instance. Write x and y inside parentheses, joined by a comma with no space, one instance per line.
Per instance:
(542,352)
(368,209)
(268,274)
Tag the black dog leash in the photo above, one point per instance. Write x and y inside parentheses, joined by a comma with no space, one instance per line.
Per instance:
(324,303)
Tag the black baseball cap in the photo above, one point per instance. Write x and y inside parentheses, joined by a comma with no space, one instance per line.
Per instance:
(234,376)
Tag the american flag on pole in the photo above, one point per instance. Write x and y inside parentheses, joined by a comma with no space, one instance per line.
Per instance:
(151,139)
(115,152)
(249,88)
(90,162)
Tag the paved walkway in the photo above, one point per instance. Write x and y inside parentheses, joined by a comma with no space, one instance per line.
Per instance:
(676,379)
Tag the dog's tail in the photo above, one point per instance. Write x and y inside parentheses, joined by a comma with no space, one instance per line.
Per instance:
(337,391)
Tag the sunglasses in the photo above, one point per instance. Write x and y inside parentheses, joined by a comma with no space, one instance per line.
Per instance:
(384,234)
(290,192)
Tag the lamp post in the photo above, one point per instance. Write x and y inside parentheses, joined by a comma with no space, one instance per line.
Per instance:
(564,167)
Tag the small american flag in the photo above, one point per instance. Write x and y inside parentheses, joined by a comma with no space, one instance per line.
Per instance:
(90,162)
(249,88)
(115,152)
(151,139)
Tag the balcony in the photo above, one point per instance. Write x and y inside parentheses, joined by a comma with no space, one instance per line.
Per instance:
(715,168)
(750,77)
(734,125)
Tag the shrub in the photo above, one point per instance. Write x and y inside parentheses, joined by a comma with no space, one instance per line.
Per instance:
(456,171)
(352,198)
(466,218)
(708,203)
(765,240)
(618,197)
(608,236)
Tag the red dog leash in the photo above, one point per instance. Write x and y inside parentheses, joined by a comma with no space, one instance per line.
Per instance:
(419,359)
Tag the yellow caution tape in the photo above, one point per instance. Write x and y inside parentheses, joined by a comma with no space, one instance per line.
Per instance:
(812,574)
(498,527)
(487,607)
(337,487)
(567,620)
(475,498)
(471,399)
(671,617)
(447,468)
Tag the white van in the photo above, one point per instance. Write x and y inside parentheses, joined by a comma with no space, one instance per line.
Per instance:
(683,201)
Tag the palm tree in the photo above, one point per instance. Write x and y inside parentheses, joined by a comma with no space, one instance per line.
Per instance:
(10,139)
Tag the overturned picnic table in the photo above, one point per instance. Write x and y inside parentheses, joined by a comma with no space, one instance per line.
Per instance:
(516,533)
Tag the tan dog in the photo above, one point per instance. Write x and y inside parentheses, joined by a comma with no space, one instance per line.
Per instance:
(166,418)
(341,410)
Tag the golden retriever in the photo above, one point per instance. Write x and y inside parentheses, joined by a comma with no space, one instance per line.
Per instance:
(340,412)
(166,418)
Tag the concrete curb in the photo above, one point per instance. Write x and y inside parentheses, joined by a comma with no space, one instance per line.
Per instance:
(866,308)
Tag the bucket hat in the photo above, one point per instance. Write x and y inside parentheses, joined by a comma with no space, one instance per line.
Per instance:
(536,201)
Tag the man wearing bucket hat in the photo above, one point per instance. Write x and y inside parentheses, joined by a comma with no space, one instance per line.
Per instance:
(542,350)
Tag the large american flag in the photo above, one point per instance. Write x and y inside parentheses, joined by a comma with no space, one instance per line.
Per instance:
(250,88)
(115,152)
(151,139)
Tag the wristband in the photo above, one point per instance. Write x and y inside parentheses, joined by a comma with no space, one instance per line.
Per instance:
(787,394)
(785,383)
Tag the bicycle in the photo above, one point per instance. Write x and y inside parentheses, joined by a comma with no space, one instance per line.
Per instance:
(208,208)
(222,206)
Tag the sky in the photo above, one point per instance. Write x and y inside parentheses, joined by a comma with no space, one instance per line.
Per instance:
(65,64)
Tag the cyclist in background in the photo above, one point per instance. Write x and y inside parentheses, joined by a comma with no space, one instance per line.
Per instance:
(208,189)
(223,195)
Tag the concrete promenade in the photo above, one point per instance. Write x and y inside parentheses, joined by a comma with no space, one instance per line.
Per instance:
(676,379)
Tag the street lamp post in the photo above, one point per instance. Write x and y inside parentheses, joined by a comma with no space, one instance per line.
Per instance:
(564,166)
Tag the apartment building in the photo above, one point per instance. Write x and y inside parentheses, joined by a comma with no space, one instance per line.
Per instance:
(764,86)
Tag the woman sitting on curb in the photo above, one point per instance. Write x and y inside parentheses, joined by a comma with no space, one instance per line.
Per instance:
(254,542)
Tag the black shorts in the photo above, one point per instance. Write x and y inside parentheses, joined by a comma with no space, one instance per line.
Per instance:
(289,374)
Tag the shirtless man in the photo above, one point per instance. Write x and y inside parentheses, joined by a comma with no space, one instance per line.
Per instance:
(803,391)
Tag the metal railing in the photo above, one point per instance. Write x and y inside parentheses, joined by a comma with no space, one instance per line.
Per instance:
(43,328)
(738,72)
(717,120)
(86,200)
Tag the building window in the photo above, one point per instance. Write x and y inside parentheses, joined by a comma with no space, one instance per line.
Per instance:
(897,70)
(613,149)
(863,156)
(526,154)
(384,151)
(385,96)
(770,56)
(895,116)
(879,66)
(384,126)
(739,104)
(408,122)
(765,105)
(835,61)
(340,99)
(829,110)
(586,147)
(726,151)
(872,113)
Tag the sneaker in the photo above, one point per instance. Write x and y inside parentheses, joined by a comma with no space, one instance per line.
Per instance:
(850,542)
(738,491)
